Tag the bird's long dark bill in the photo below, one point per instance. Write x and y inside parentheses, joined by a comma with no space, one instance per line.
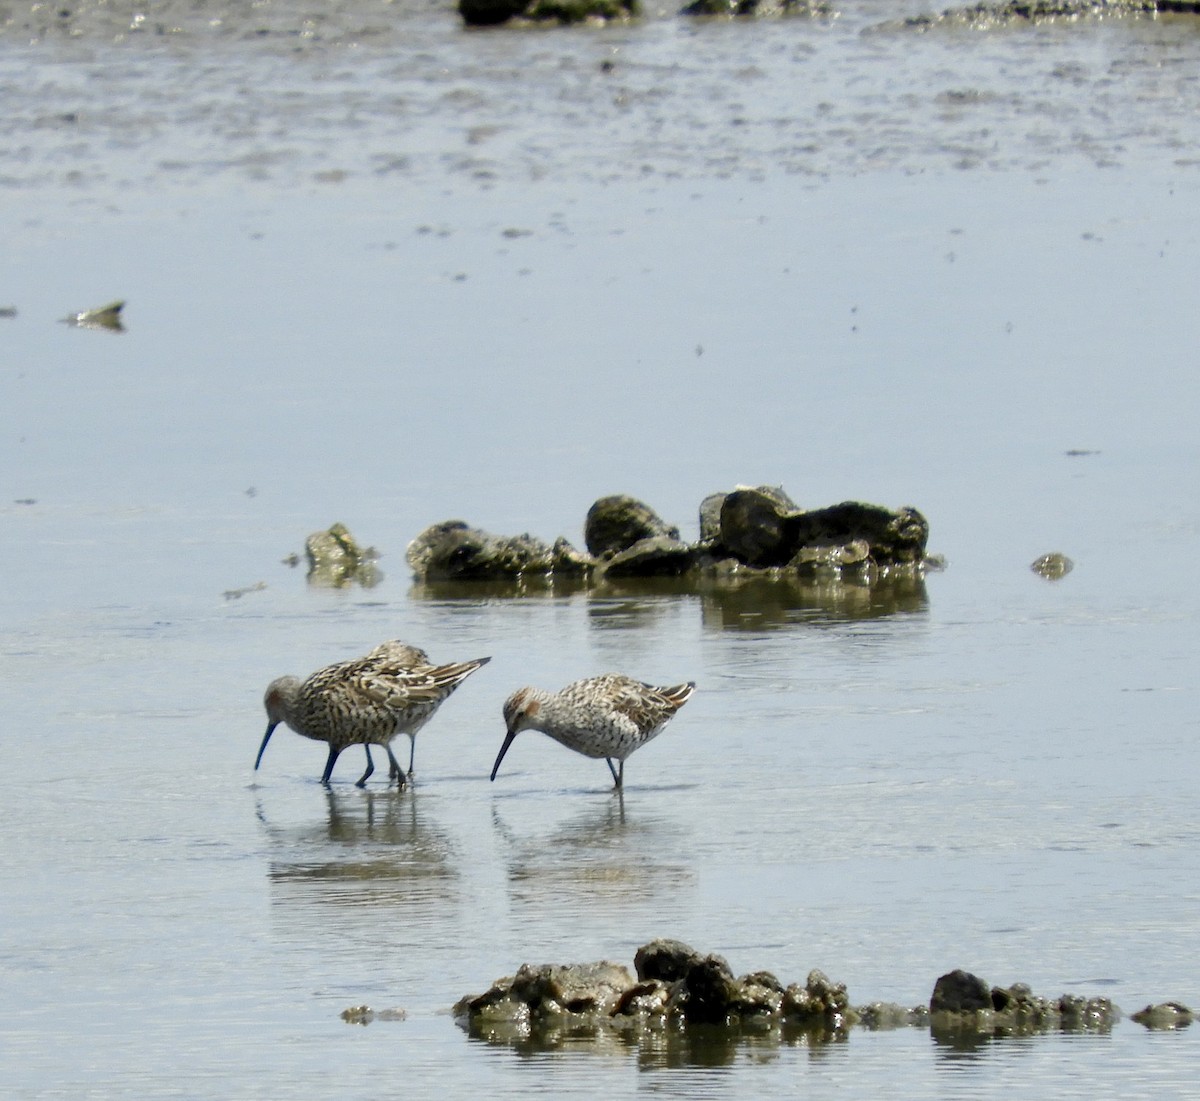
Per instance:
(503,750)
(266,738)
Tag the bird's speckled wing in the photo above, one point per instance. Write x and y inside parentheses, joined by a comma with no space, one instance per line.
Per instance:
(647,706)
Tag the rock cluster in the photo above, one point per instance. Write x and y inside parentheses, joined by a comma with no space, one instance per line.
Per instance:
(962,1001)
(1002,13)
(749,529)
(678,988)
(674,986)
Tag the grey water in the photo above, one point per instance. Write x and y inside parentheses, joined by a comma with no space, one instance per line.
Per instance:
(384,271)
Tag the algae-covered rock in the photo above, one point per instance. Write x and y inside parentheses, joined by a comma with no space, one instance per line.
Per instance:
(1079,1014)
(1052,567)
(548,991)
(820,1003)
(616,523)
(749,529)
(580,11)
(336,559)
(1165,1015)
(962,1002)
(656,557)
(679,989)
(762,527)
(454,551)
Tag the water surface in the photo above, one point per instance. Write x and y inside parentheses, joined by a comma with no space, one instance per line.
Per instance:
(909,269)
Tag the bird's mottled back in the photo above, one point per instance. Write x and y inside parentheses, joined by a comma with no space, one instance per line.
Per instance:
(370,700)
(607,716)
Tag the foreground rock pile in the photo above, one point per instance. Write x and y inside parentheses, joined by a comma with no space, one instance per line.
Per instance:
(749,530)
(674,984)
(677,987)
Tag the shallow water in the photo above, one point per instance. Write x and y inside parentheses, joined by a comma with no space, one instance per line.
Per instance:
(908,269)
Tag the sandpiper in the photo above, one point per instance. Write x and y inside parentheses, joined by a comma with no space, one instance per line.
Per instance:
(367,701)
(608,716)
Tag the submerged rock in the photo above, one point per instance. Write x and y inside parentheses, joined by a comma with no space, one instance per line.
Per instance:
(1052,566)
(1166,1015)
(336,559)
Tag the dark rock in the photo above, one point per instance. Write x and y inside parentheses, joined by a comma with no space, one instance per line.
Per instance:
(454,551)
(655,557)
(615,523)
(711,991)
(893,536)
(580,11)
(489,13)
(665,960)
(960,992)
(756,526)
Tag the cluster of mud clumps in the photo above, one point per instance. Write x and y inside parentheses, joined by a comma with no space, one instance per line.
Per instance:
(676,987)
(751,529)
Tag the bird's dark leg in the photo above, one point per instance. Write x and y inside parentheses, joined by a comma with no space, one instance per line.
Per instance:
(615,774)
(362,780)
(395,772)
(333,756)
(412,752)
